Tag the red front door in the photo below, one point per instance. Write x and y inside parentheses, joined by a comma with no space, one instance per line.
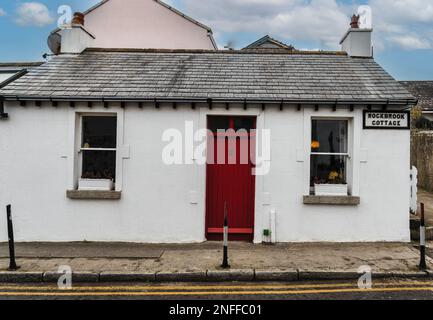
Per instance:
(230,177)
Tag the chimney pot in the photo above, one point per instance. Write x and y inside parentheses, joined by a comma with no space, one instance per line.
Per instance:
(357,42)
(354,24)
(78,19)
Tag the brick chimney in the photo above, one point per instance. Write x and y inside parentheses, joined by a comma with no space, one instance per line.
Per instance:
(357,42)
(75,38)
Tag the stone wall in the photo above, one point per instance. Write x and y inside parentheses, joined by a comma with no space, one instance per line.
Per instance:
(422,157)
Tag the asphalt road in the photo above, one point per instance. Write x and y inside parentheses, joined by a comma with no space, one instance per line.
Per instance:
(403,289)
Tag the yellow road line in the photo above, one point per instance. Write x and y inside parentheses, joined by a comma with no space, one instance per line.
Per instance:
(210,287)
(201,293)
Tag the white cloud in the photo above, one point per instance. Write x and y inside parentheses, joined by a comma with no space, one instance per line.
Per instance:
(406,24)
(33,14)
(2,12)
(315,20)
(411,42)
(403,10)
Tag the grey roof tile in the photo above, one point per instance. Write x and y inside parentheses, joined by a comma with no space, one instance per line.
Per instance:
(181,74)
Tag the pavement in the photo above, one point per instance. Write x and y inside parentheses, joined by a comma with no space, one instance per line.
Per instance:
(123,262)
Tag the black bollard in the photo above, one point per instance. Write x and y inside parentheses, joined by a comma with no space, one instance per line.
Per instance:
(422,264)
(12,263)
(225,264)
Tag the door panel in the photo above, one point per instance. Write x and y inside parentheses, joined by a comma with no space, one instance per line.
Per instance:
(230,178)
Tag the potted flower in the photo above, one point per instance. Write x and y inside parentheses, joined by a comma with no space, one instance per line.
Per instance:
(333,186)
(96,182)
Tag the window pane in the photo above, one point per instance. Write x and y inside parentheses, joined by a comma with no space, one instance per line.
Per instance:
(329,136)
(99,165)
(236,123)
(215,123)
(328,169)
(246,123)
(99,132)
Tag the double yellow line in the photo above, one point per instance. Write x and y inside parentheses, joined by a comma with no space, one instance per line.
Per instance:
(210,290)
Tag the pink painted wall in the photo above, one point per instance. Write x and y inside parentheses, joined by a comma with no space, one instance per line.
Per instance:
(143,24)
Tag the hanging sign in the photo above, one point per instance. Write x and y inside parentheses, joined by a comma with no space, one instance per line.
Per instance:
(387,120)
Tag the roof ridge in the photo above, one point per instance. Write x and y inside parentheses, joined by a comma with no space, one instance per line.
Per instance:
(198,51)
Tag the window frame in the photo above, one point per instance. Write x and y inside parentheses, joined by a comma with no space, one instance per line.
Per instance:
(74,145)
(355,151)
(345,155)
(82,150)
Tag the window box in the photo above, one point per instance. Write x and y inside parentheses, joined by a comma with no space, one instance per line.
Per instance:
(96,184)
(330,189)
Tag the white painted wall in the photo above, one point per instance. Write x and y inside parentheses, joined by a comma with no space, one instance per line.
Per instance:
(143,24)
(75,39)
(36,148)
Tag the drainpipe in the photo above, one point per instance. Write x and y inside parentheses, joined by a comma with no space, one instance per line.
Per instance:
(273,225)
(3,114)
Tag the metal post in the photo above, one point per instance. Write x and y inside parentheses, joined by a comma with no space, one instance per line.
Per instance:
(12,264)
(422,264)
(225,264)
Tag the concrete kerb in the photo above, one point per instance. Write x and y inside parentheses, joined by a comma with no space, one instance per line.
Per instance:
(80,277)
(276,275)
(21,277)
(127,277)
(230,275)
(194,276)
(248,275)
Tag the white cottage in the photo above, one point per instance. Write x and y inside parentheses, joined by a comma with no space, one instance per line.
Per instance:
(107,145)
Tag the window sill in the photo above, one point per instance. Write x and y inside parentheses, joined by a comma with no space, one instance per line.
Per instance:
(332,200)
(93,195)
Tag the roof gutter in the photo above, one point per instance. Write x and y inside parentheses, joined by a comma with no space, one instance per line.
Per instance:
(380,102)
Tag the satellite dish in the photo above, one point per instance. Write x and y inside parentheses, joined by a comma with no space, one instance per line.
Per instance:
(54,42)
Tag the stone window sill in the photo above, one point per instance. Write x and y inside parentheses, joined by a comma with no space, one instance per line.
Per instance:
(332,200)
(93,195)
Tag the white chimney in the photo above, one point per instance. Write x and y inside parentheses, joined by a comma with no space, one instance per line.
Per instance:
(357,42)
(75,38)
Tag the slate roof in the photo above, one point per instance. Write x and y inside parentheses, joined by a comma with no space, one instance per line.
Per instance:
(220,75)
(423,91)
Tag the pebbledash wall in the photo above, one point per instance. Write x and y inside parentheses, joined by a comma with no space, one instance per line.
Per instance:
(157,203)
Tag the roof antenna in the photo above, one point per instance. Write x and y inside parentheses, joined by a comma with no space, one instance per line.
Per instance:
(229,46)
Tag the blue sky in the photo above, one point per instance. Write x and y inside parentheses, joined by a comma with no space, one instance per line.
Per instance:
(403,29)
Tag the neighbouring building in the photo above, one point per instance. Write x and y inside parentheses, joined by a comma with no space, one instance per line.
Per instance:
(12,70)
(132,24)
(103,146)
(268,43)
(423,91)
